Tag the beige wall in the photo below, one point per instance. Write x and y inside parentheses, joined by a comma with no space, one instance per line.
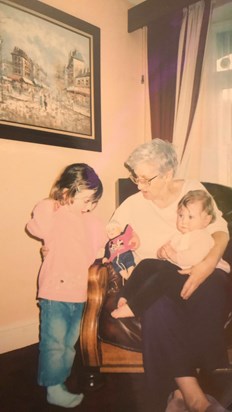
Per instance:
(27,170)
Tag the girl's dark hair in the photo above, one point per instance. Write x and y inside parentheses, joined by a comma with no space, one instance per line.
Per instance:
(75,178)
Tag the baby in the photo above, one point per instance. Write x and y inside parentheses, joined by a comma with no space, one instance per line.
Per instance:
(153,277)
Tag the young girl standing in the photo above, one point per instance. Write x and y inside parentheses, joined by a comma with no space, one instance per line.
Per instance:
(72,238)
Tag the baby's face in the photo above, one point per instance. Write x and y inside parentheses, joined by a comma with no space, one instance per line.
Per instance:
(113,231)
(192,218)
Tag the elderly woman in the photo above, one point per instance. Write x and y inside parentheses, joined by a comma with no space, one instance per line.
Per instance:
(178,336)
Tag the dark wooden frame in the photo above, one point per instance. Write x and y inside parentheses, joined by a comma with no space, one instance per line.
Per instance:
(19,131)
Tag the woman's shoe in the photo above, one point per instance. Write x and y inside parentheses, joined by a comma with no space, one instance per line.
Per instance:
(59,395)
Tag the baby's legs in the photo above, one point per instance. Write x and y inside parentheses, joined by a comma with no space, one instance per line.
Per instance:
(122,311)
(130,270)
(124,274)
(139,276)
(150,280)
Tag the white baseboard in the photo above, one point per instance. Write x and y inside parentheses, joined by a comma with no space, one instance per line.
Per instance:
(18,336)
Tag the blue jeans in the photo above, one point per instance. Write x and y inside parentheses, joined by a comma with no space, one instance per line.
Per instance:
(59,331)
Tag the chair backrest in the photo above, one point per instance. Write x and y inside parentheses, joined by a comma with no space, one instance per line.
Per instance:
(221,194)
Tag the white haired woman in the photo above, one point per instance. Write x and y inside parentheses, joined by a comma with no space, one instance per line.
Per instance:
(178,338)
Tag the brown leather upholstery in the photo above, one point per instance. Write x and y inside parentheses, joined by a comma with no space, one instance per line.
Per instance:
(125,333)
(115,344)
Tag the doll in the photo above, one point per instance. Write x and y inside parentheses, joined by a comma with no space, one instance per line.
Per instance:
(118,249)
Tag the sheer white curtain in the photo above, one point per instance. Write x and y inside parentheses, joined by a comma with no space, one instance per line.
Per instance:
(208,153)
(187,59)
(216,146)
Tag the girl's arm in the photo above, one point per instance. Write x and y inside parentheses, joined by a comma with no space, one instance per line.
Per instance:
(202,270)
(42,216)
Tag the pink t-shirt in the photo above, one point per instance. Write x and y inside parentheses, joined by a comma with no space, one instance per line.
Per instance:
(73,241)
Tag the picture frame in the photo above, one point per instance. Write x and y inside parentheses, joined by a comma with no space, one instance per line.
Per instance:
(50,76)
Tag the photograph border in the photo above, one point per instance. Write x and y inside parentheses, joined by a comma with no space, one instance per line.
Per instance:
(34,135)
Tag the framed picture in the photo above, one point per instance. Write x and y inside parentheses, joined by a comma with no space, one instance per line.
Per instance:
(50,76)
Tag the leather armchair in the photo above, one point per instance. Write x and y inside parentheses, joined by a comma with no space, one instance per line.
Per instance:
(114,345)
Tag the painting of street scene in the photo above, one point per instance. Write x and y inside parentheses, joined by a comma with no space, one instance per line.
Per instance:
(46,74)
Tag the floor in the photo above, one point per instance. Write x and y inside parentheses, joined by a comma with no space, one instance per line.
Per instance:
(19,391)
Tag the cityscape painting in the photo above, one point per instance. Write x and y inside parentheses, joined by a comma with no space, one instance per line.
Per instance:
(50,76)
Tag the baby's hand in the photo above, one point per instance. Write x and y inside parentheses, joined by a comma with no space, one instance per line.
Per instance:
(167,252)
(161,253)
(170,252)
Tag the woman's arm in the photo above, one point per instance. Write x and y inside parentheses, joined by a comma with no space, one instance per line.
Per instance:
(200,272)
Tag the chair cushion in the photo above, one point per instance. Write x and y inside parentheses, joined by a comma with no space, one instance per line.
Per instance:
(125,333)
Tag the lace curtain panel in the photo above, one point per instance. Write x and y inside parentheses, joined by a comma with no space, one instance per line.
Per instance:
(205,149)
(190,87)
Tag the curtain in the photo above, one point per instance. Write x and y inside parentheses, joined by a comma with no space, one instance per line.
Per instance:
(191,97)
(163,39)
(215,108)
(190,60)
(204,144)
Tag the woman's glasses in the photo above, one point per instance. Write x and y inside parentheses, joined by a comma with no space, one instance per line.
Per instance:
(142,180)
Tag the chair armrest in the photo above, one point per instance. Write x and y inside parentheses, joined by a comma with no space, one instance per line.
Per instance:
(89,342)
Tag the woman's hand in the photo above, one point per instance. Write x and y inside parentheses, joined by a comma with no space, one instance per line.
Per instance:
(199,273)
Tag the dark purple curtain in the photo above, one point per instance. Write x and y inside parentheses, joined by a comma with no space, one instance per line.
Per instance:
(163,39)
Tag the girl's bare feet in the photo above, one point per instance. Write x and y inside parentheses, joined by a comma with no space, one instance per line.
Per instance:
(122,312)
